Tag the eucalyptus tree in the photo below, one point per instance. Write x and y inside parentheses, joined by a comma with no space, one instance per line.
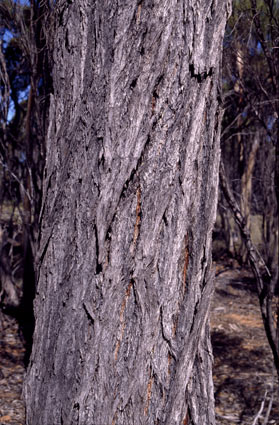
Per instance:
(124,274)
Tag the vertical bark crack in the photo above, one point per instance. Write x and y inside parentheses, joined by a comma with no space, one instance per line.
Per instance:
(99,267)
(138,217)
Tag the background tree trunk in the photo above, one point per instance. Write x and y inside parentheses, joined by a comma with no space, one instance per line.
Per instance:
(124,258)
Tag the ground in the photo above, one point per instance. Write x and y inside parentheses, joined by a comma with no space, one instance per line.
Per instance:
(243,367)
(11,372)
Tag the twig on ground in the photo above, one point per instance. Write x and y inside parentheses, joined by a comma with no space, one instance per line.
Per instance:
(271,399)
(260,411)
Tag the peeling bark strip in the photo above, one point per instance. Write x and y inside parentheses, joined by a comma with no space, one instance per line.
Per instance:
(132,167)
(149,390)
(122,320)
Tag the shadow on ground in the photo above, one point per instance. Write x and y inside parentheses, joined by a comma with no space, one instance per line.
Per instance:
(243,366)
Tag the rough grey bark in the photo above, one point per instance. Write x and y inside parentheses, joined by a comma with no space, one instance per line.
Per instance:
(131,180)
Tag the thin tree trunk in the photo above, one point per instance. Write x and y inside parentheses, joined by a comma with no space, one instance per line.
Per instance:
(246,189)
(264,280)
(124,260)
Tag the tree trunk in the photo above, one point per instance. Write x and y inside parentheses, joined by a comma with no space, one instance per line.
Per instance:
(246,189)
(124,259)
